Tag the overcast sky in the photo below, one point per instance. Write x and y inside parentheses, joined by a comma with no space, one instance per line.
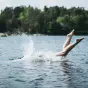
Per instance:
(41,3)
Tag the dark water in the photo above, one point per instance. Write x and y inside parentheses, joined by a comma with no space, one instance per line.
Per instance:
(40,69)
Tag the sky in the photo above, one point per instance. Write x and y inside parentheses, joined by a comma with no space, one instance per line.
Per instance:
(41,3)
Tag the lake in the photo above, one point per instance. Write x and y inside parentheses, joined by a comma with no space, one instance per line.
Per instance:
(28,62)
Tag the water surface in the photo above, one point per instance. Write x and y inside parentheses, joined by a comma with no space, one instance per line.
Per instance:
(28,62)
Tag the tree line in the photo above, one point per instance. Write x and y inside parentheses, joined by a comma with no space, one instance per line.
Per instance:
(51,20)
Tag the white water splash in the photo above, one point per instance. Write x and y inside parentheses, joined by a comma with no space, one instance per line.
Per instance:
(30,54)
(41,56)
(44,56)
(28,48)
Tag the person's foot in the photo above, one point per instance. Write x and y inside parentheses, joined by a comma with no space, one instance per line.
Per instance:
(79,40)
(71,33)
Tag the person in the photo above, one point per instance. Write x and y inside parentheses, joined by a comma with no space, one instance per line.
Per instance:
(67,47)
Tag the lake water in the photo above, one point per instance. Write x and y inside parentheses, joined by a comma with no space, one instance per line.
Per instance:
(29,62)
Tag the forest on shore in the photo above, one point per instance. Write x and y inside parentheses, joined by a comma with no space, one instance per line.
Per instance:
(50,21)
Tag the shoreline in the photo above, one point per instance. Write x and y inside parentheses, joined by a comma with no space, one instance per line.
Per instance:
(77,34)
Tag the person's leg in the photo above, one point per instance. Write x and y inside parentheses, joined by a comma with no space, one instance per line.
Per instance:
(69,37)
(67,49)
